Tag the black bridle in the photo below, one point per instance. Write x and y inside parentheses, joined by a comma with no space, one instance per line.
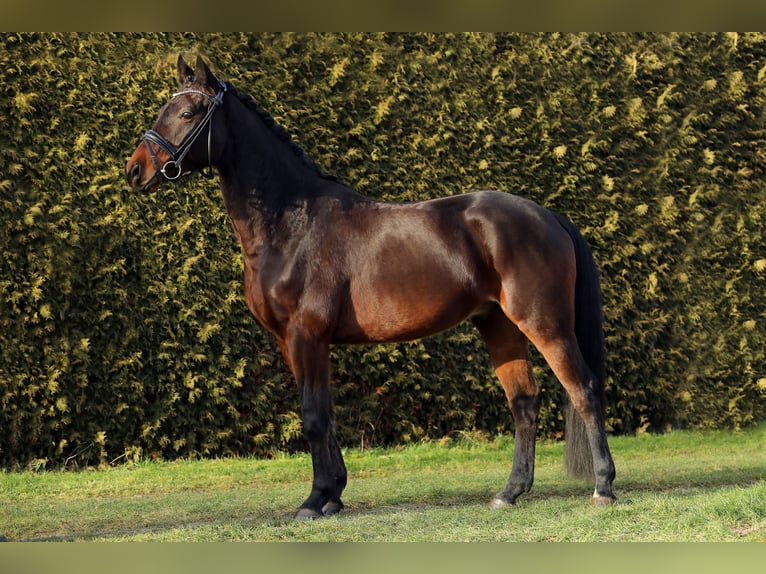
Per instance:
(171,169)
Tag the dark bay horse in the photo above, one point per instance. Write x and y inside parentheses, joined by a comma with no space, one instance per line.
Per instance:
(325,265)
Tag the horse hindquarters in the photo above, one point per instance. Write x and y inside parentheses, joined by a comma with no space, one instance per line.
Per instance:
(549,290)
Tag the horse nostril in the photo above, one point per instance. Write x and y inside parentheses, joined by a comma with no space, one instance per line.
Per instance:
(134,172)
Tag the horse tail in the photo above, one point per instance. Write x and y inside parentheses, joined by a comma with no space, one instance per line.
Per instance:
(589,331)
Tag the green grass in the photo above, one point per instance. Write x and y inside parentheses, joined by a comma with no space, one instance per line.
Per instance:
(682,486)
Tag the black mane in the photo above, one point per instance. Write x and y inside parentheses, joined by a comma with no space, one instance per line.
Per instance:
(279,131)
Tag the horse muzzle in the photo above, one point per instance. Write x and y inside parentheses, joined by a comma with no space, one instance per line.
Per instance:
(138,177)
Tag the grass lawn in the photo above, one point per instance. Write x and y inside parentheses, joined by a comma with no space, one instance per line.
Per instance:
(682,486)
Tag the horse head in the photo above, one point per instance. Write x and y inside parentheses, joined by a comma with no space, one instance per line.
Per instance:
(173,147)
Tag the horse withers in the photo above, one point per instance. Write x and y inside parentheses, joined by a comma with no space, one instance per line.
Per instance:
(325,265)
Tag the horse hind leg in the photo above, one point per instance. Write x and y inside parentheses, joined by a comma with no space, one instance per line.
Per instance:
(509,351)
(565,359)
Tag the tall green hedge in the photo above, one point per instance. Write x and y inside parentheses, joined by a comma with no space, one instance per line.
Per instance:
(123,331)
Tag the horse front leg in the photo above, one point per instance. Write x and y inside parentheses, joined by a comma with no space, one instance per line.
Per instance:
(309,359)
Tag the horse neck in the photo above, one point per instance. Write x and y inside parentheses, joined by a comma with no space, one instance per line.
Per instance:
(261,174)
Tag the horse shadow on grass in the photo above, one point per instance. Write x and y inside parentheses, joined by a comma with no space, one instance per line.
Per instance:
(685,482)
(680,483)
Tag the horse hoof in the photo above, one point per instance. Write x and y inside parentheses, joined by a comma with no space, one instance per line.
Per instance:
(498,503)
(332,507)
(599,500)
(307,514)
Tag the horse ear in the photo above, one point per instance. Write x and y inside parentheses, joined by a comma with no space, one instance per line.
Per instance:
(203,74)
(185,73)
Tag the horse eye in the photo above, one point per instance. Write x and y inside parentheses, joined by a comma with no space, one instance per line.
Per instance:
(187,115)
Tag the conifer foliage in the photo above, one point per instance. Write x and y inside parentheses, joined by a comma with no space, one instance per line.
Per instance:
(123,330)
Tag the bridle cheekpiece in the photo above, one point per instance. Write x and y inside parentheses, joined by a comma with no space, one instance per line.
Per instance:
(171,169)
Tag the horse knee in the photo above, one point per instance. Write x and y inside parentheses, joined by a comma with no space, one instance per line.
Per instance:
(316,425)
